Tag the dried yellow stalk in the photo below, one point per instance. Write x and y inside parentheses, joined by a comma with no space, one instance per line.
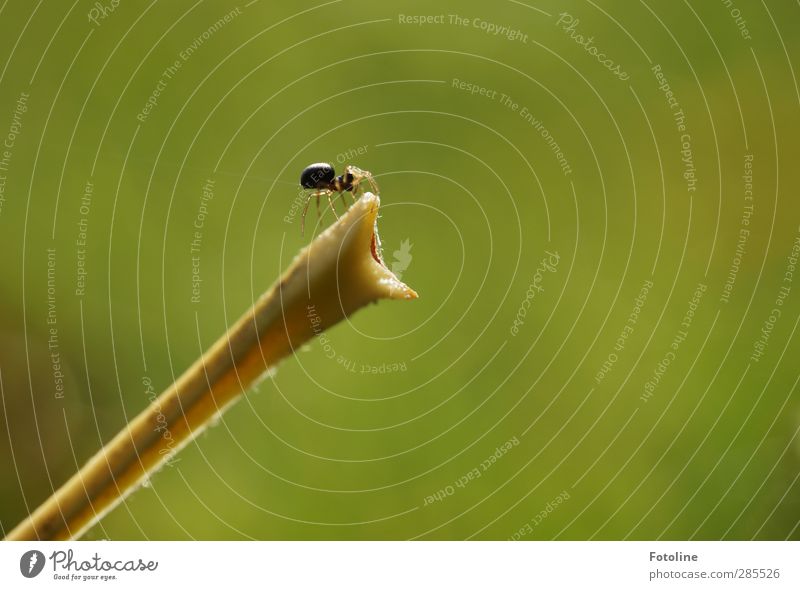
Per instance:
(338,273)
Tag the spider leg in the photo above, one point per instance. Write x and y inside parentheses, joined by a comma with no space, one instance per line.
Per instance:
(354,188)
(372,183)
(330,202)
(311,195)
(360,175)
(303,217)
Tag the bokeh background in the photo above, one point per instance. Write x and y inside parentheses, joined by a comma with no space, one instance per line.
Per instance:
(388,432)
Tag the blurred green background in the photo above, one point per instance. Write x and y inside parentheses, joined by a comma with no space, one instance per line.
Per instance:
(379,441)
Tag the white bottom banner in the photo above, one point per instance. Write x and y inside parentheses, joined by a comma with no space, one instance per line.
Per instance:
(355,565)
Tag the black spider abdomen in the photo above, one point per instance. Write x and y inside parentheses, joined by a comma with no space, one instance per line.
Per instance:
(317,176)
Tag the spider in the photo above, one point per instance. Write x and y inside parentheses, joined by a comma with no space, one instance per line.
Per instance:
(322,179)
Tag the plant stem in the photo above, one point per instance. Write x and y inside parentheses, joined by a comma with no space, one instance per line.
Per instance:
(338,273)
